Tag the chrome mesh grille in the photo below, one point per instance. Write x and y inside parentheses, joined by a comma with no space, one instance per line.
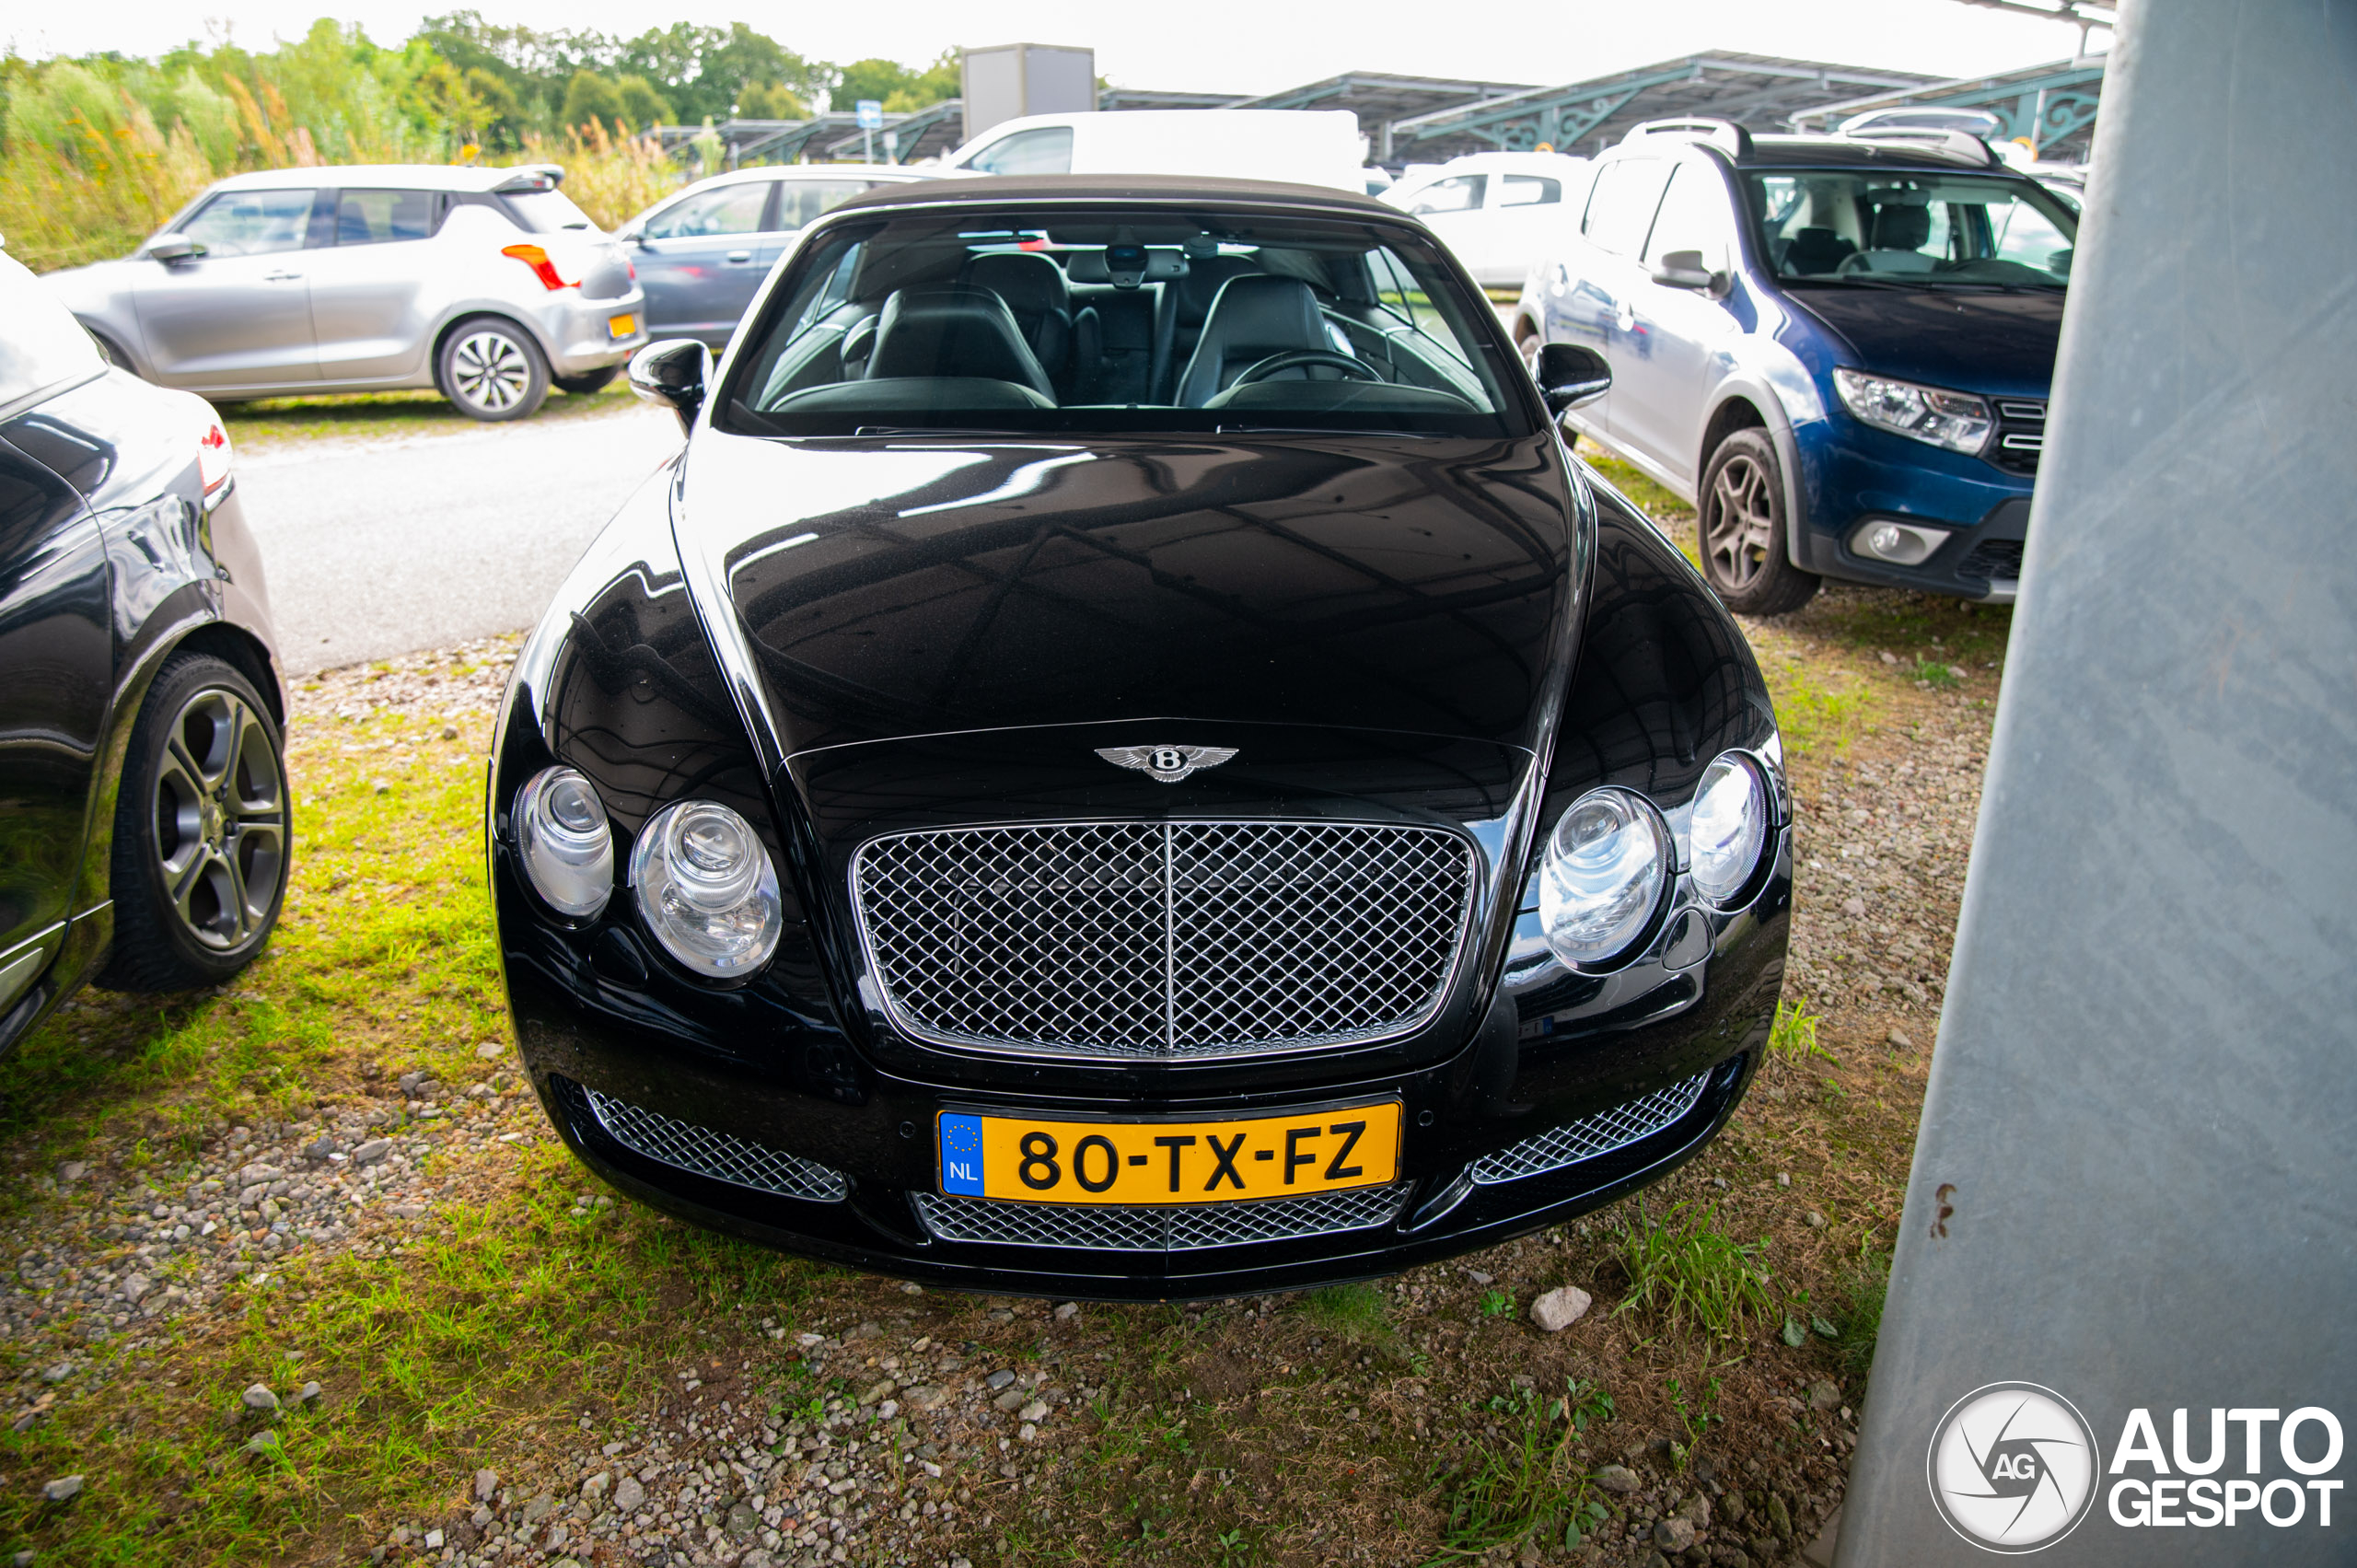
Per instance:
(1591,1136)
(721,1155)
(1177,1229)
(1148,939)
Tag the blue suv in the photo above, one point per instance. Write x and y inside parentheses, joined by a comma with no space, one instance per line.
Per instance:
(1839,347)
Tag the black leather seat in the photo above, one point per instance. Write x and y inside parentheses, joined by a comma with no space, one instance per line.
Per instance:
(1902,226)
(1253,318)
(1033,290)
(1180,308)
(953,329)
(1817,250)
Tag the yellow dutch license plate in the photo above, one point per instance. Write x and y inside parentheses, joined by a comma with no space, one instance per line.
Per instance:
(621,326)
(1051,1160)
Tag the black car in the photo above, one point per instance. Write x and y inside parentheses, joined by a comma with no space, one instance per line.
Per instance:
(1123,759)
(143,807)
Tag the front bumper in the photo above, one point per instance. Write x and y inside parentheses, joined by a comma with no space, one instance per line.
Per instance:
(1854,476)
(1571,1094)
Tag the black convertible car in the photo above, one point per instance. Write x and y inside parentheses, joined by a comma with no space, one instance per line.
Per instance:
(143,816)
(1123,759)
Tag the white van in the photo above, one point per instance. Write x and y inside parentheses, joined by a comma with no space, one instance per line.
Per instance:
(1310,148)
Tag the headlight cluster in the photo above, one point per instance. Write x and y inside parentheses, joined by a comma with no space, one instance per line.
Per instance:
(1609,862)
(702,880)
(707,888)
(1958,421)
(567,848)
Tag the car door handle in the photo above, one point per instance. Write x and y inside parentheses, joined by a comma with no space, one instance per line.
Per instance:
(282,276)
(741,255)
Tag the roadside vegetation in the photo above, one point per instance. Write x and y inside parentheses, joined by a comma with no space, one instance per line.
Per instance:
(97,153)
(502,1310)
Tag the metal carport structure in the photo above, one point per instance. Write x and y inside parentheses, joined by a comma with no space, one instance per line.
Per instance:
(1383,99)
(1761,92)
(2053,106)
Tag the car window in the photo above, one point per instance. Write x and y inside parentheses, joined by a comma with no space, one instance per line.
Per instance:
(724,209)
(1457,194)
(1694,216)
(927,320)
(799,202)
(373,217)
(43,345)
(1044,151)
(251,223)
(1529,191)
(1621,205)
(544,212)
(1924,229)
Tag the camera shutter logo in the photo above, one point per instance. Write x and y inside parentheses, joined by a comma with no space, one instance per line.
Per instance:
(2014,1467)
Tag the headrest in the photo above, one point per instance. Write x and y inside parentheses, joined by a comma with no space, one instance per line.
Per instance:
(1900,228)
(1031,285)
(953,329)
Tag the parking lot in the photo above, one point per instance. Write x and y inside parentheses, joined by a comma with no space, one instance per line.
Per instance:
(327,1176)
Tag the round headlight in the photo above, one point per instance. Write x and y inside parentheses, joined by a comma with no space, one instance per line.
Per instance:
(1603,875)
(706,888)
(568,850)
(1728,826)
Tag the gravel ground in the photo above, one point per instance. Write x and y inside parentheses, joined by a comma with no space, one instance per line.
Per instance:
(946,1437)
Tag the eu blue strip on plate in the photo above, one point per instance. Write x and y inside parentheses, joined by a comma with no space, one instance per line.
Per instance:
(962,1154)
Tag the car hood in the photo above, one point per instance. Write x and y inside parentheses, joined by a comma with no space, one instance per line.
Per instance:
(1998,344)
(884,589)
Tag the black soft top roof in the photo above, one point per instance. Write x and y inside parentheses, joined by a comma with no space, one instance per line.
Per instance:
(1173,188)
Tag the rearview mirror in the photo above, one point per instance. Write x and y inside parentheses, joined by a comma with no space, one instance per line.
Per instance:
(173,248)
(672,373)
(1572,374)
(1684,269)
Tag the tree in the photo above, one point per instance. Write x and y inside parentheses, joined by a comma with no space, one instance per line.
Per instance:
(588,96)
(767,100)
(937,83)
(641,105)
(504,120)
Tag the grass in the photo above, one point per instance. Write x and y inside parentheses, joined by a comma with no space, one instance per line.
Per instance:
(1526,1487)
(1814,715)
(1794,1034)
(268,423)
(1691,1275)
(1858,1323)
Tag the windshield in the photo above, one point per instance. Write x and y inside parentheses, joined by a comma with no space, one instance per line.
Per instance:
(1913,230)
(1143,320)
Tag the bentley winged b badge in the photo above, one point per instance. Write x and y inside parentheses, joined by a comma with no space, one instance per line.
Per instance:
(1168,763)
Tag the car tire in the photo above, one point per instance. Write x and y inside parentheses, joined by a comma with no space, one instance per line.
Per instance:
(1739,528)
(203,827)
(584,386)
(492,370)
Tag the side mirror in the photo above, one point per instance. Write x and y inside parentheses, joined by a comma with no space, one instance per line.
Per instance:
(1684,269)
(673,373)
(1572,374)
(173,248)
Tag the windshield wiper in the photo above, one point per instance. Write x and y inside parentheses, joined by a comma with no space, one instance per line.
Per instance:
(1315,430)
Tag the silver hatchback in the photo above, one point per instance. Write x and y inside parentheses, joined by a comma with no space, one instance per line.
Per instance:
(488,283)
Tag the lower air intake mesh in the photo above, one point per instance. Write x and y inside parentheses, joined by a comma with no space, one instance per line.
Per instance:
(1177,1229)
(1591,1136)
(723,1157)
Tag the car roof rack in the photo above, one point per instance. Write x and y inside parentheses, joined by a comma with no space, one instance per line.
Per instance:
(1724,133)
(532,177)
(1961,144)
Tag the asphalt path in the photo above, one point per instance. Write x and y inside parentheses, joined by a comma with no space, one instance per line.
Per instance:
(373,549)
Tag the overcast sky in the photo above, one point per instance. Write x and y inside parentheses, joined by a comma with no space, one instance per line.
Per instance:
(1245,46)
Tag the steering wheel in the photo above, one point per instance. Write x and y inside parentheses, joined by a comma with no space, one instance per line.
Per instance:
(1299,358)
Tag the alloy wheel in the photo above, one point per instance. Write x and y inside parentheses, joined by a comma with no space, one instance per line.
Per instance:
(1739,523)
(489,370)
(220,813)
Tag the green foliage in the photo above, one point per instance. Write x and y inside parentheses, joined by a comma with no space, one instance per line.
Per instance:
(1353,1311)
(899,88)
(1527,1488)
(1691,1274)
(1793,1036)
(1496,1303)
(1942,675)
(589,100)
(767,101)
(1694,1418)
(1858,1323)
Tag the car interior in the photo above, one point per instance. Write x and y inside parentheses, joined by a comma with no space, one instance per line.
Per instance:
(1149,323)
(1842,227)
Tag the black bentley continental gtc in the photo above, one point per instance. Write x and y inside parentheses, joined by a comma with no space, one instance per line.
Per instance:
(1123,759)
